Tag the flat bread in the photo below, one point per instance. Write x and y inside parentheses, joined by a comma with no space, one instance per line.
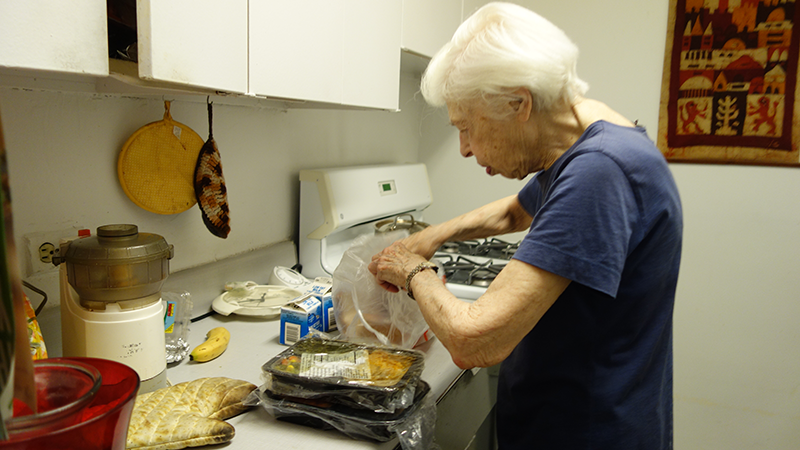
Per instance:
(189,414)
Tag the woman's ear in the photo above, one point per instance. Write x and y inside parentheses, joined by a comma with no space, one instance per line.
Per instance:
(522,104)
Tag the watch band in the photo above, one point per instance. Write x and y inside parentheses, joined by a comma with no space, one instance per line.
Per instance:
(420,267)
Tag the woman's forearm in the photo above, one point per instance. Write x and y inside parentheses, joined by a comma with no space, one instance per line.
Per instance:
(499,217)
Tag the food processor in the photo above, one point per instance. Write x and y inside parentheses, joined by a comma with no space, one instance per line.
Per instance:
(111,303)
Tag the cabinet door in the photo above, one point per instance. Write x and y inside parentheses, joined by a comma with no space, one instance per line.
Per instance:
(199,43)
(372,53)
(55,35)
(344,52)
(296,49)
(428,25)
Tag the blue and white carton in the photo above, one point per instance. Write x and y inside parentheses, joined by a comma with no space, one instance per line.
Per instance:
(321,289)
(299,318)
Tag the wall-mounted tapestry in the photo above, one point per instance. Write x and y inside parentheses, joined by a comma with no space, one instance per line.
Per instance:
(729,92)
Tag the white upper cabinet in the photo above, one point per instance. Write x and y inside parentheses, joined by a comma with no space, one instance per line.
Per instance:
(296,49)
(371,76)
(54,35)
(344,52)
(200,43)
(331,52)
(428,25)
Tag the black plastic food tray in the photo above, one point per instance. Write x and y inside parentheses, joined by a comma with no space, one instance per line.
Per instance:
(333,384)
(354,398)
(356,423)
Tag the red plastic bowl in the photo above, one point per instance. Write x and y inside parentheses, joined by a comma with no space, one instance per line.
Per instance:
(99,423)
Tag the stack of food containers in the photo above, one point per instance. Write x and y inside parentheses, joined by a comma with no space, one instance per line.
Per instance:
(365,391)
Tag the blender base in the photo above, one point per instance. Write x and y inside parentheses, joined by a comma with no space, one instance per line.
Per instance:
(152,384)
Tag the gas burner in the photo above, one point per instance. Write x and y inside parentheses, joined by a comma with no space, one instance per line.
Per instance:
(462,270)
(483,276)
(489,248)
(509,251)
(496,248)
(460,247)
(449,247)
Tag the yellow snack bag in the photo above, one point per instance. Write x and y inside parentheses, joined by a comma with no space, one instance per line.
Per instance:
(38,349)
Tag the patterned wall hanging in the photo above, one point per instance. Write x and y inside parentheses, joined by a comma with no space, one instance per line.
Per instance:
(729,91)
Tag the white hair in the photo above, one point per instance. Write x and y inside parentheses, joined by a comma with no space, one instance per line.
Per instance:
(499,49)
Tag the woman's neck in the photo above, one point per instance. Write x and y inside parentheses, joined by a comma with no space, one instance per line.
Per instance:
(587,112)
(558,130)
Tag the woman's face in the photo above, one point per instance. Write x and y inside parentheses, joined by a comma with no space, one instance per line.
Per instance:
(500,146)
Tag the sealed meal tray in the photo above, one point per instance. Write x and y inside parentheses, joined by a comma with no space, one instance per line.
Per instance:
(382,402)
(368,376)
(356,423)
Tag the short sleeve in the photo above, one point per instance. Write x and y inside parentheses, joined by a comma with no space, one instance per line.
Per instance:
(583,222)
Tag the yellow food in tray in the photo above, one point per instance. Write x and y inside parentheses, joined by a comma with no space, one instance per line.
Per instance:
(386,366)
(323,360)
(359,376)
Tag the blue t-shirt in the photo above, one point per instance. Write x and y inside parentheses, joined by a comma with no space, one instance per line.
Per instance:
(596,371)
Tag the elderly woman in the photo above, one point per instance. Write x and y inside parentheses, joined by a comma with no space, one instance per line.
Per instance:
(581,317)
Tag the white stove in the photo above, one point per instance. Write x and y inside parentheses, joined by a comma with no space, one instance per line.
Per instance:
(340,204)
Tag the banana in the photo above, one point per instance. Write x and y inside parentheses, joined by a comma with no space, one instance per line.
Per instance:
(216,342)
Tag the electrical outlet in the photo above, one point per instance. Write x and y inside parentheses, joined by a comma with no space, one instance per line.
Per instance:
(42,247)
(46,252)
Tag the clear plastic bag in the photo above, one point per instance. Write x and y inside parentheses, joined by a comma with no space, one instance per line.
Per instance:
(321,383)
(176,324)
(365,312)
(414,427)
(335,374)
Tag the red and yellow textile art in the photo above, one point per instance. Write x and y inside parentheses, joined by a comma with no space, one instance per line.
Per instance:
(729,91)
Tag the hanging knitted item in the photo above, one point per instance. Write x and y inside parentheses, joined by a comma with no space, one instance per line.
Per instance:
(209,186)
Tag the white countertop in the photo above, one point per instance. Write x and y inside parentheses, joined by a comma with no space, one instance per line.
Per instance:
(253,343)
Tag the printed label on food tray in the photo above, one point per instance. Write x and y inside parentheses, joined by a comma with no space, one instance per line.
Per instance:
(353,365)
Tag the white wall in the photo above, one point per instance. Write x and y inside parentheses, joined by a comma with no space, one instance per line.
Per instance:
(737,339)
(62,150)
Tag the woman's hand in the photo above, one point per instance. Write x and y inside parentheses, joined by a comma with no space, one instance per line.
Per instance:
(392,265)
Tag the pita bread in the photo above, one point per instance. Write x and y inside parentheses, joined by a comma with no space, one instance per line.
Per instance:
(188,414)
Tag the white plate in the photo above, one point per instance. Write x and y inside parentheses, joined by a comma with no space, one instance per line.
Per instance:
(261,301)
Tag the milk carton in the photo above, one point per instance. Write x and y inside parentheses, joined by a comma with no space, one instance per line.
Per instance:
(321,289)
(299,318)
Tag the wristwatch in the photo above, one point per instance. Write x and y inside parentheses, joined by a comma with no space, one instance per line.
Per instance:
(422,266)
